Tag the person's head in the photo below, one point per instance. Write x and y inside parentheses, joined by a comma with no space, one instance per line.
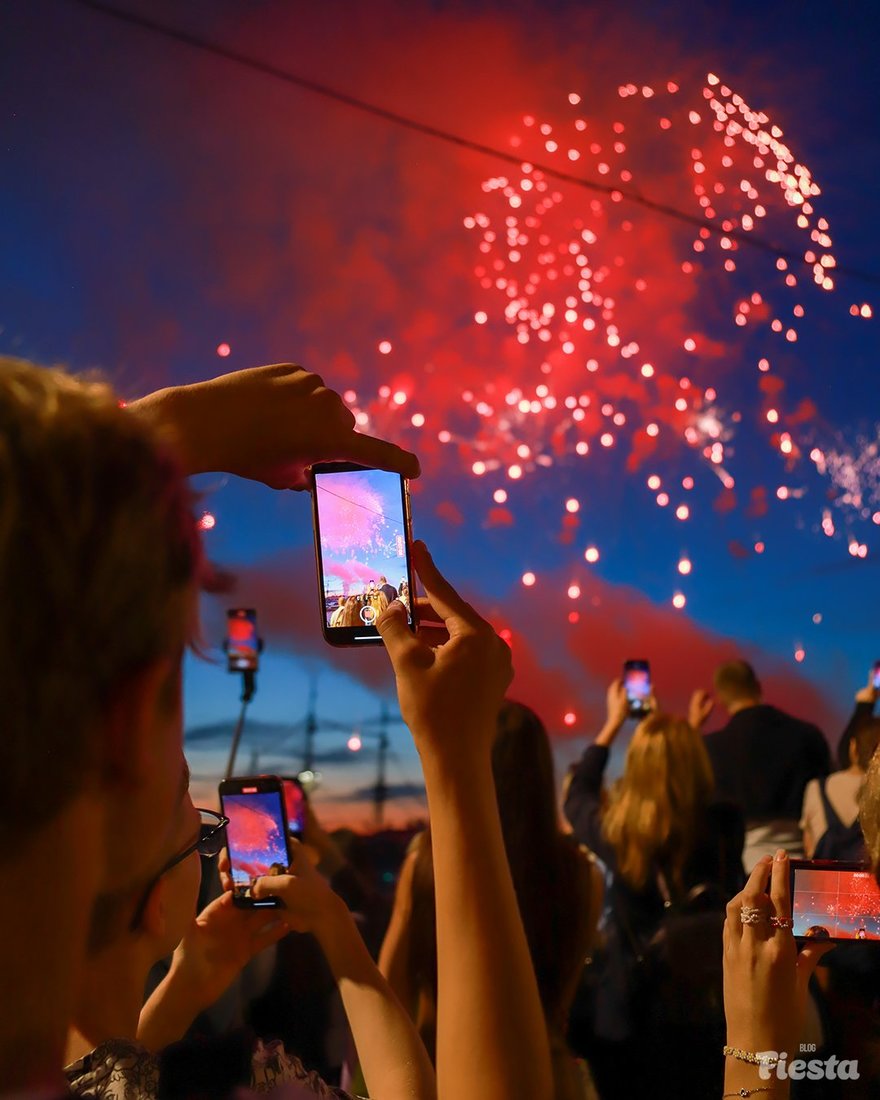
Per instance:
(869,813)
(736,684)
(864,744)
(654,810)
(99,559)
(383,580)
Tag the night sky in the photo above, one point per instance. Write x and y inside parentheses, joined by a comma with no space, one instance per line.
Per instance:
(162,206)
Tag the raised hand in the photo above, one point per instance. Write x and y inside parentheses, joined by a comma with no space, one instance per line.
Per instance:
(268,424)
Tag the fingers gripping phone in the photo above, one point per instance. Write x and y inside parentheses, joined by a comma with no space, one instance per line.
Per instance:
(362,546)
(637,682)
(256,835)
(242,642)
(833,901)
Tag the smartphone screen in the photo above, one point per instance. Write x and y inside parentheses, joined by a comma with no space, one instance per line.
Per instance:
(875,675)
(256,835)
(242,643)
(637,682)
(834,901)
(362,541)
(295,804)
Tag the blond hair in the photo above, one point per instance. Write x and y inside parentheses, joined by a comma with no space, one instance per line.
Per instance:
(654,810)
(98,554)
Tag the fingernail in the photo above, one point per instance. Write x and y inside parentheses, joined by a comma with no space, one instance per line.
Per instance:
(781,854)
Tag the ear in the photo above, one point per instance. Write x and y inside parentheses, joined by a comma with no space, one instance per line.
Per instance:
(129,723)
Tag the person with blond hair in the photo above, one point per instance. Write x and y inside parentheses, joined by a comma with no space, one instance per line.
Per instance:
(666,844)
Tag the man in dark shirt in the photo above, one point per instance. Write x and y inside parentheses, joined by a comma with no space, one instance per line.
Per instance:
(763,759)
(389,589)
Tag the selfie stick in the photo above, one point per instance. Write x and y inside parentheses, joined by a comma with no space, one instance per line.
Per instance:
(248,688)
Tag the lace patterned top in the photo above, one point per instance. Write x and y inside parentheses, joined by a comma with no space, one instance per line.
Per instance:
(123,1070)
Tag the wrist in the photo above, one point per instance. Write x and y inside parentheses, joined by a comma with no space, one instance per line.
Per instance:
(184,982)
(167,412)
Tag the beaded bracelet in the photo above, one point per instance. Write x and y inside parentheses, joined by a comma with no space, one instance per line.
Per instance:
(750,1057)
(747,1092)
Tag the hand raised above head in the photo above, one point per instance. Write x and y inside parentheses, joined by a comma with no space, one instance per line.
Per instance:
(450,680)
(700,707)
(268,424)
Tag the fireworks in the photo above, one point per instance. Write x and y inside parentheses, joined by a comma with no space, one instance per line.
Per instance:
(605,314)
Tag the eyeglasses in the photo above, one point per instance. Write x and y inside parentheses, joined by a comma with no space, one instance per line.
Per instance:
(210,841)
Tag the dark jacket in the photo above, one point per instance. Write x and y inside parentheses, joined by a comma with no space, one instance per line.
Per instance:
(763,759)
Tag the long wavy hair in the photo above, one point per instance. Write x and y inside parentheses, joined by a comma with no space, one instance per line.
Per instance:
(653,812)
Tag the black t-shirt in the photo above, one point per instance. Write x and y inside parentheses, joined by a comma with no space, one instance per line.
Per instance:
(763,759)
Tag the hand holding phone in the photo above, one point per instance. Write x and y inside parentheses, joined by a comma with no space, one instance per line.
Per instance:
(362,545)
(256,835)
(637,683)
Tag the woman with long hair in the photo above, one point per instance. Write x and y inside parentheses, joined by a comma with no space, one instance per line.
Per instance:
(558,889)
(667,846)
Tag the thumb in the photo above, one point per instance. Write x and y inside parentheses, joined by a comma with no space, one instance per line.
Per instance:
(393,626)
(272,886)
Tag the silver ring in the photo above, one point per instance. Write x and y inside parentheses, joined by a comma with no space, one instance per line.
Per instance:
(749,914)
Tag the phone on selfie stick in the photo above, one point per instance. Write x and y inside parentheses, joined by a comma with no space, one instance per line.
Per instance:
(363,541)
(637,682)
(256,836)
(243,647)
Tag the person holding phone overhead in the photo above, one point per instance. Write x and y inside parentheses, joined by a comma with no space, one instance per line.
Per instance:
(665,841)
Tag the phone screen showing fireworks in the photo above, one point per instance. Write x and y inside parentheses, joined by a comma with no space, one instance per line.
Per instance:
(256,836)
(875,675)
(362,542)
(637,682)
(838,902)
(242,643)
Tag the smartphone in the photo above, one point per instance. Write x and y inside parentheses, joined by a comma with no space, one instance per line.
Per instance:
(242,642)
(637,682)
(295,805)
(256,835)
(875,675)
(362,546)
(834,901)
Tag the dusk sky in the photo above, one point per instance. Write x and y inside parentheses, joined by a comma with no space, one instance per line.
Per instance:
(645,403)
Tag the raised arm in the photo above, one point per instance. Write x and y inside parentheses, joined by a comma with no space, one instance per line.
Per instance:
(265,423)
(394,955)
(393,1058)
(582,805)
(491,1035)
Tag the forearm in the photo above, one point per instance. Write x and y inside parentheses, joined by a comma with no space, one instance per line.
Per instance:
(392,1056)
(171,1008)
(491,1033)
(393,960)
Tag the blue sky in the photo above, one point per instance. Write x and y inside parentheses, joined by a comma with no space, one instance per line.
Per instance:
(158,202)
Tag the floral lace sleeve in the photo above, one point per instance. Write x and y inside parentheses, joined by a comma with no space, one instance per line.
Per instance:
(273,1067)
(115,1070)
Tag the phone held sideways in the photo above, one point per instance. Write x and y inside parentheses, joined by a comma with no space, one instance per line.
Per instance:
(363,541)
